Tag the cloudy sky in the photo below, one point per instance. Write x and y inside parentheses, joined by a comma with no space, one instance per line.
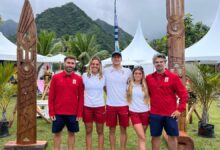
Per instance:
(151,13)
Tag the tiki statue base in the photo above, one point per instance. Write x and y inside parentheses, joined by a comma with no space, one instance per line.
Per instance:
(12,145)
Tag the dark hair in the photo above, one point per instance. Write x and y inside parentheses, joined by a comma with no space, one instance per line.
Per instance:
(116,53)
(70,57)
(159,55)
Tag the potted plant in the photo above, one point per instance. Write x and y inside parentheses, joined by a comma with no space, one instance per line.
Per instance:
(7,90)
(205,82)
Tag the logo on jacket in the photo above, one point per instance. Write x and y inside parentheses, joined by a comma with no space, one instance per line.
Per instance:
(166,79)
(74,81)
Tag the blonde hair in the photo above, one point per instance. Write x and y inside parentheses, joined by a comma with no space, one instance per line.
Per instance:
(143,85)
(89,71)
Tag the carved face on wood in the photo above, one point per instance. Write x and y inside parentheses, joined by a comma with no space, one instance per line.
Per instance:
(26,55)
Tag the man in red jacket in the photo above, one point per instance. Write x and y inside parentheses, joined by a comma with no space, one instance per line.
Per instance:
(164,87)
(66,97)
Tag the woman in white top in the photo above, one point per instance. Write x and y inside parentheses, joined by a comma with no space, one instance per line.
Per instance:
(94,106)
(138,100)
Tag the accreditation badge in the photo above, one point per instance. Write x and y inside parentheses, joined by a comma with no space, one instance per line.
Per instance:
(74,81)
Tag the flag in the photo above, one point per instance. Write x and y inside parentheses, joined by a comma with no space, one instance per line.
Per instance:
(117,49)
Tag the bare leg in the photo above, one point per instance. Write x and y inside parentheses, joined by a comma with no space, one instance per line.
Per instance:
(155,143)
(123,137)
(99,130)
(141,136)
(71,140)
(89,127)
(57,141)
(172,142)
(112,137)
(145,129)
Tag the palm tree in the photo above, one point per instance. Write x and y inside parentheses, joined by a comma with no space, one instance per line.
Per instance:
(45,45)
(84,47)
(6,88)
(6,71)
(206,84)
(65,42)
(45,42)
(160,45)
(62,45)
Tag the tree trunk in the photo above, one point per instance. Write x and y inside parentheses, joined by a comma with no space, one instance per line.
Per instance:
(205,115)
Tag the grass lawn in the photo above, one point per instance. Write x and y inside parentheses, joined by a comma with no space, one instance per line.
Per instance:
(44,133)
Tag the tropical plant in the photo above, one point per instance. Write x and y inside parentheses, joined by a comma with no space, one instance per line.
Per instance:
(65,42)
(205,82)
(45,45)
(84,47)
(193,33)
(6,71)
(45,42)
(62,45)
(7,90)
(160,45)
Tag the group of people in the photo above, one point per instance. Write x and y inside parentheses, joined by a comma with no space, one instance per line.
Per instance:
(150,100)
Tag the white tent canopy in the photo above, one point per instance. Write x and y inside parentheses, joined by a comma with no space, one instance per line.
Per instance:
(58,58)
(8,50)
(207,50)
(137,51)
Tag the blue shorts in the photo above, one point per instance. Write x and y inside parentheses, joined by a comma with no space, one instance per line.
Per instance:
(157,123)
(62,120)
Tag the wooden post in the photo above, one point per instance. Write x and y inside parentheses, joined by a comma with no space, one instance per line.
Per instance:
(191,117)
(26,97)
(176,54)
(26,62)
(176,43)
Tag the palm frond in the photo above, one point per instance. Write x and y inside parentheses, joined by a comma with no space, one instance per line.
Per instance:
(205,83)
(6,71)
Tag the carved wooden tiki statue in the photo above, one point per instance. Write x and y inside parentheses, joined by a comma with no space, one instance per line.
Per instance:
(176,43)
(26,62)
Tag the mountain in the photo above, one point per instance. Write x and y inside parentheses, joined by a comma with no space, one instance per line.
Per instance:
(8,27)
(69,19)
(124,37)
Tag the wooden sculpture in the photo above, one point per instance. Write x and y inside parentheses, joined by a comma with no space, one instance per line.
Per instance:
(26,62)
(26,96)
(176,47)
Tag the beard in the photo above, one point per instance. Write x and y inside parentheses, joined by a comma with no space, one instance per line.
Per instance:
(69,69)
(159,69)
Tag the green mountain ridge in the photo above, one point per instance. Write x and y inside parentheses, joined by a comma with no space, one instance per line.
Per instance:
(124,37)
(69,19)
(8,27)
